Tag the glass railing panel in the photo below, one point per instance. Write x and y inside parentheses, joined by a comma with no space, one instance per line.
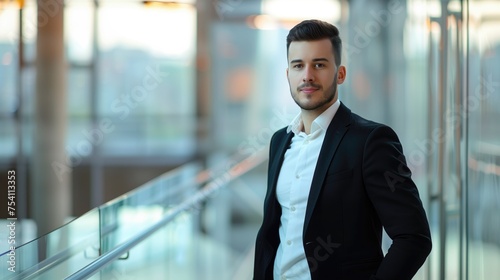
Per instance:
(211,240)
(73,246)
(209,235)
(169,253)
(127,215)
(61,252)
(230,219)
(183,250)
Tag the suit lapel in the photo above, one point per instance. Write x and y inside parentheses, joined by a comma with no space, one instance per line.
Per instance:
(280,148)
(334,134)
(280,155)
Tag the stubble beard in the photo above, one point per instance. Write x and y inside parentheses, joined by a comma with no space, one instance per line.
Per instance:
(328,96)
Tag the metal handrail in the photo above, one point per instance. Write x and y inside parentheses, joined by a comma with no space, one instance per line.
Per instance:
(53,261)
(200,196)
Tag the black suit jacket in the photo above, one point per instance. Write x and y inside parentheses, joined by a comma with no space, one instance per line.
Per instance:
(361,184)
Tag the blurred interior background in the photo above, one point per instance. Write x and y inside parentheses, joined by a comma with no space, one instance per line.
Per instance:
(100,98)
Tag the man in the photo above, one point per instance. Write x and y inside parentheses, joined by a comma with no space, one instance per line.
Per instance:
(335,179)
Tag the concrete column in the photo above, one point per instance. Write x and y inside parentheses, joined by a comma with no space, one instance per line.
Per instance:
(205,16)
(50,193)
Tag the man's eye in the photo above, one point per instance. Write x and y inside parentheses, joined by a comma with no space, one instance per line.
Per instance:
(297,66)
(320,65)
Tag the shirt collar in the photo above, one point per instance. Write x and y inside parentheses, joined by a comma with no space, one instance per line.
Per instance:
(321,122)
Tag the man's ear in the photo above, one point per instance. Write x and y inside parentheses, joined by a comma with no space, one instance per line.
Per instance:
(341,74)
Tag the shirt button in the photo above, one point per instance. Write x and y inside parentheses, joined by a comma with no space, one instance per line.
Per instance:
(289,242)
(297,176)
(293,208)
(283,278)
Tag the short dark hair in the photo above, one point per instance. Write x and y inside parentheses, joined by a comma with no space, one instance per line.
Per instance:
(313,30)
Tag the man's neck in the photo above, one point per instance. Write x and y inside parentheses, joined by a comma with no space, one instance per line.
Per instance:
(308,116)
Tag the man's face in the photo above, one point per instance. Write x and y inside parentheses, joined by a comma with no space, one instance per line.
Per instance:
(312,75)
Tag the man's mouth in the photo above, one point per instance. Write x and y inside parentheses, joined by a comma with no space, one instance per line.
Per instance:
(309,89)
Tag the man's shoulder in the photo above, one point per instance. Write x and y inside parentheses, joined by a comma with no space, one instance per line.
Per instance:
(366,128)
(355,121)
(364,123)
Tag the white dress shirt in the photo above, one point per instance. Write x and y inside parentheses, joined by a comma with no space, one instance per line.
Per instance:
(292,192)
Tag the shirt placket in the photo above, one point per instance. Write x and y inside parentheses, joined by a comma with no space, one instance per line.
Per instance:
(296,195)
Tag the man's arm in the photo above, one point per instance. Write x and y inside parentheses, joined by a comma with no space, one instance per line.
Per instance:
(395,198)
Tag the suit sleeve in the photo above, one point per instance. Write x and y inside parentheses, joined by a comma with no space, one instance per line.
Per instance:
(395,198)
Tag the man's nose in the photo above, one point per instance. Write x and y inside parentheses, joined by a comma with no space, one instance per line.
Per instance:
(308,75)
